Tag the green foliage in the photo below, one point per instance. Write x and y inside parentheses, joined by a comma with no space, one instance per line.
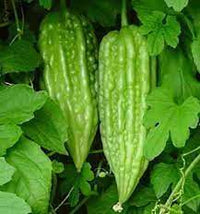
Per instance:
(170,175)
(77,182)
(191,190)
(10,134)
(48,128)
(103,203)
(19,57)
(47,4)
(58,167)
(193,10)
(18,103)
(177,5)
(104,12)
(176,209)
(195,52)
(167,118)
(27,34)
(142,6)
(10,203)
(161,29)
(44,180)
(6,171)
(144,196)
(32,178)
(178,76)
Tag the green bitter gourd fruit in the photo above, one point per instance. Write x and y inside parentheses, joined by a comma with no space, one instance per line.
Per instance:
(124,82)
(69,50)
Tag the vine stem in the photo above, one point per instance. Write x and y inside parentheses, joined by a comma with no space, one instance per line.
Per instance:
(179,184)
(54,186)
(4,24)
(190,152)
(64,200)
(23,18)
(124,20)
(96,151)
(79,205)
(16,17)
(51,154)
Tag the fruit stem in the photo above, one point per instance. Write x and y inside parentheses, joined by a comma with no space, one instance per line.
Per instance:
(124,21)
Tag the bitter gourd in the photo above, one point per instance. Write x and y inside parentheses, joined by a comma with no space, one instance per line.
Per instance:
(124,82)
(69,50)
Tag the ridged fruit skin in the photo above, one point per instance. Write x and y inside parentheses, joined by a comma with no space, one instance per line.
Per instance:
(124,82)
(69,51)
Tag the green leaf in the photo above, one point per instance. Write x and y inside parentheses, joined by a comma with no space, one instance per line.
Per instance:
(151,22)
(58,167)
(27,35)
(74,197)
(166,118)
(77,181)
(196,53)
(85,176)
(6,171)
(9,135)
(160,28)
(191,190)
(162,176)
(86,172)
(104,12)
(19,57)
(177,5)
(32,179)
(192,144)
(47,4)
(188,210)
(103,204)
(18,103)
(193,9)
(176,209)
(171,31)
(48,128)
(188,31)
(147,6)
(68,178)
(178,76)
(143,197)
(11,204)
(84,187)
(148,209)
(156,43)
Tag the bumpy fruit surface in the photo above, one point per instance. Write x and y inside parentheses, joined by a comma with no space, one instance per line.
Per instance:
(69,50)
(124,82)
